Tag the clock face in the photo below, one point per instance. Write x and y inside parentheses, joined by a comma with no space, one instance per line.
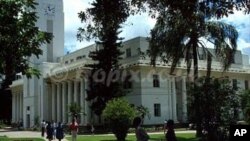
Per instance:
(49,10)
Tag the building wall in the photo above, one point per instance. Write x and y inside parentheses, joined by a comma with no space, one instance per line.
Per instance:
(79,55)
(162,95)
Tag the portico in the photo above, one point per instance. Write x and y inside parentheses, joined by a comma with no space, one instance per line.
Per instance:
(64,92)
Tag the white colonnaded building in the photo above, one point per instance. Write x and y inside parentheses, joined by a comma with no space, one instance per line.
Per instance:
(62,79)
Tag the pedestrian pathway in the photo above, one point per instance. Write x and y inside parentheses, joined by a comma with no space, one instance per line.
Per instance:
(23,134)
(35,134)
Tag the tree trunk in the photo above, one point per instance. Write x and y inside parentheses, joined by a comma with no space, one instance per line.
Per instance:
(197,97)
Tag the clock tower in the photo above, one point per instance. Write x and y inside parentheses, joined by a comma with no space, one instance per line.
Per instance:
(51,19)
(35,90)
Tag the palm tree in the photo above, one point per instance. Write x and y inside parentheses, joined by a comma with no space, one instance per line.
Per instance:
(179,36)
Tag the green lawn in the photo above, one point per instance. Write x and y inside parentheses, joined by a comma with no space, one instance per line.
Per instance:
(156,137)
(3,138)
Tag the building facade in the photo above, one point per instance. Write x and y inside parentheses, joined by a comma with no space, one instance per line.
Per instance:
(64,79)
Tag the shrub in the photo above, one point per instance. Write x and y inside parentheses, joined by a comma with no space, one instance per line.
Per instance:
(245,105)
(119,113)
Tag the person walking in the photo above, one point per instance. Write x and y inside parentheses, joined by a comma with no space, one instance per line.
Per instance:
(49,131)
(54,129)
(74,129)
(59,132)
(170,135)
(43,125)
(141,134)
(165,126)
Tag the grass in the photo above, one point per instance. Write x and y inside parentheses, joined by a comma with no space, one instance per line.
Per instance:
(4,138)
(155,137)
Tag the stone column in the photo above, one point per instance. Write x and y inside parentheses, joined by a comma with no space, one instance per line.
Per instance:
(87,109)
(69,98)
(75,91)
(58,102)
(49,102)
(184,100)
(17,106)
(170,91)
(13,107)
(82,100)
(64,102)
(45,98)
(53,105)
(21,105)
(174,100)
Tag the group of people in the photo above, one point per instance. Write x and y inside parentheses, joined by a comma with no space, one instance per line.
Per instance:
(55,131)
(52,130)
(141,134)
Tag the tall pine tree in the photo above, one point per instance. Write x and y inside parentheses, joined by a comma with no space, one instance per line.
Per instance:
(103,23)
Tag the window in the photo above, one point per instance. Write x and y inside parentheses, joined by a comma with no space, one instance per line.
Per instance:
(78,57)
(71,60)
(139,51)
(233,60)
(28,108)
(127,82)
(235,83)
(190,55)
(66,62)
(202,56)
(246,85)
(17,77)
(156,81)
(128,52)
(157,110)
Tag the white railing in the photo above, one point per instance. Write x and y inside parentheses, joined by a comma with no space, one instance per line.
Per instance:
(182,64)
(137,60)
(61,68)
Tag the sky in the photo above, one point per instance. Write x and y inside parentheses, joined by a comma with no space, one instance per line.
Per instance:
(140,25)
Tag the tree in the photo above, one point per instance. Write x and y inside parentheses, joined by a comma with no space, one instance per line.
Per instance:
(120,114)
(182,27)
(245,104)
(19,39)
(141,111)
(218,8)
(103,23)
(220,104)
(188,41)
(75,110)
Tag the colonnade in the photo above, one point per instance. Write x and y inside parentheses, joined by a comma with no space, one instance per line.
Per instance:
(17,107)
(62,95)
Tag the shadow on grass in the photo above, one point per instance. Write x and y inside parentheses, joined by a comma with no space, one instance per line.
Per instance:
(115,140)
(186,139)
(163,139)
